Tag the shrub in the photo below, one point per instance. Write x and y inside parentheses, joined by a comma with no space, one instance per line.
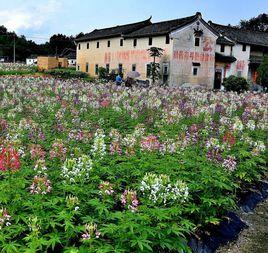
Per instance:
(66,73)
(234,83)
(102,73)
(263,72)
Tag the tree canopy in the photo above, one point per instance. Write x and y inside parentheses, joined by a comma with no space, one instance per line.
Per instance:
(259,23)
(25,48)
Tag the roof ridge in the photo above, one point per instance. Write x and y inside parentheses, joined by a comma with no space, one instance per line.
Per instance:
(170,20)
(135,23)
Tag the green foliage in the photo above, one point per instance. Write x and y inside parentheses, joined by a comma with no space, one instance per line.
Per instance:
(66,73)
(155,52)
(263,72)
(102,73)
(234,83)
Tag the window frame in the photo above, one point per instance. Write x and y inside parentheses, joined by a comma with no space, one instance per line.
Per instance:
(120,67)
(107,67)
(197,39)
(195,70)
(150,42)
(167,39)
(96,69)
(135,41)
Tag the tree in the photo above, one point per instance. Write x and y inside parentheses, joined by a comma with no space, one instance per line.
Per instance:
(155,52)
(259,23)
(58,42)
(234,83)
(263,72)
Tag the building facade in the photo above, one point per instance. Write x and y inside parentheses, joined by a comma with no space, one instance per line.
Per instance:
(195,52)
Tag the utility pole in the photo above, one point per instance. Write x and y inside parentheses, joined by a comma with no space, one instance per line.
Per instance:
(14,48)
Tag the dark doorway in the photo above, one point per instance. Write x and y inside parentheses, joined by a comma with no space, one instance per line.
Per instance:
(217,79)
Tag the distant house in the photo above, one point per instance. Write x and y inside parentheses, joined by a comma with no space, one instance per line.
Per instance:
(4,58)
(32,60)
(51,62)
(70,54)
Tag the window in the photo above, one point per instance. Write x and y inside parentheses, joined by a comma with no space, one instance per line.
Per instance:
(134,42)
(150,41)
(87,67)
(195,71)
(133,67)
(197,41)
(79,46)
(107,67)
(222,48)
(108,43)
(244,48)
(121,42)
(96,69)
(239,73)
(148,70)
(120,68)
(78,67)
(98,44)
(167,39)
(87,45)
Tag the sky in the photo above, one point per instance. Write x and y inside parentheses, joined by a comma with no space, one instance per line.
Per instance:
(40,19)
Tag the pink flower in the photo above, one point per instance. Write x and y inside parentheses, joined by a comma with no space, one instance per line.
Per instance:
(129,200)
(150,143)
(9,159)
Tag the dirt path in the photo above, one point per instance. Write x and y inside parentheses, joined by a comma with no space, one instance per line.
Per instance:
(255,238)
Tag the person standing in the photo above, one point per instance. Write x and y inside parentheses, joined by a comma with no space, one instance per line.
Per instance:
(118,80)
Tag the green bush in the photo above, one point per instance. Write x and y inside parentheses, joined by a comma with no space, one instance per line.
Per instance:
(263,72)
(66,73)
(102,73)
(234,83)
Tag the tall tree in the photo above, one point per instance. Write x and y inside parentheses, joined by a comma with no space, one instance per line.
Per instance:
(155,52)
(59,42)
(259,23)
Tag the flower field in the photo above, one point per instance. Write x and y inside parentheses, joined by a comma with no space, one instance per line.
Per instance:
(101,168)
(16,68)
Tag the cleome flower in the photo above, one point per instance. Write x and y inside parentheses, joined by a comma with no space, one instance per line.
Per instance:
(229,163)
(9,158)
(150,143)
(106,188)
(76,169)
(90,232)
(158,189)
(5,218)
(129,200)
(40,185)
(99,146)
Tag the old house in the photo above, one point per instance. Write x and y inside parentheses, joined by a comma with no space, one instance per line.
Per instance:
(51,62)
(195,52)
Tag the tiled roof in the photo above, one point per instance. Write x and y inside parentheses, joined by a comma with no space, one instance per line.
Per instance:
(242,36)
(115,31)
(223,41)
(161,28)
